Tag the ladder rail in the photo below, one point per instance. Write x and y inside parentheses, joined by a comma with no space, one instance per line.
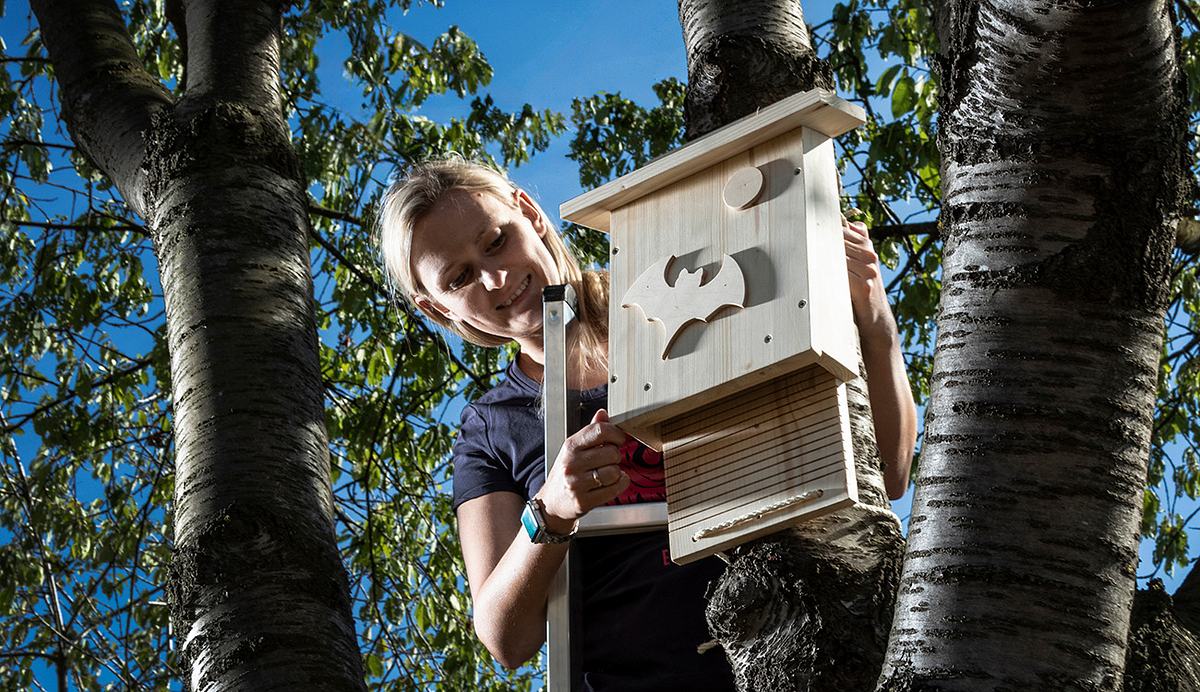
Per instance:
(561,408)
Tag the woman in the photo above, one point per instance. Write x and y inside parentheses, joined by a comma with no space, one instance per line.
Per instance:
(473,252)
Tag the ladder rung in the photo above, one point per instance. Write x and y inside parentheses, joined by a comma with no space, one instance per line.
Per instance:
(609,520)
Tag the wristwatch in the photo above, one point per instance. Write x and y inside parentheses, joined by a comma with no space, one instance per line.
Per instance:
(534,521)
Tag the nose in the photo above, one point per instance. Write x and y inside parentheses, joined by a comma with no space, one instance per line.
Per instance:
(492,276)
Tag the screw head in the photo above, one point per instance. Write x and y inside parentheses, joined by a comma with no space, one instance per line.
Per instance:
(767,339)
(614,378)
(802,303)
(646,387)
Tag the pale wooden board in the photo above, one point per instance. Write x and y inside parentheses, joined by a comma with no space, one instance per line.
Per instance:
(802,448)
(729,493)
(688,300)
(719,470)
(724,463)
(743,188)
(789,248)
(819,110)
(735,413)
(823,222)
(734,451)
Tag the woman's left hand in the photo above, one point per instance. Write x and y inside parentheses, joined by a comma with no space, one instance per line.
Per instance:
(867,293)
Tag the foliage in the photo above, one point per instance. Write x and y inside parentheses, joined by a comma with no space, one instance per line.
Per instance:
(85,534)
(85,528)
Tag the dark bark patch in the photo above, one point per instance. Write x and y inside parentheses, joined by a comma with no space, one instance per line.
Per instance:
(1163,654)
(215,137)
(224,585)
(733,76)
(792,614)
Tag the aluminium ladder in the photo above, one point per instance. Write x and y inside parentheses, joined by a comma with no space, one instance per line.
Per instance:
(562,419)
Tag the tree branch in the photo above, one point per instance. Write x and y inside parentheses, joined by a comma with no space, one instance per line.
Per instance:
(929,228)
(108,98)
(51,226)
(15,143)
(29,58)
(314,208)
(233,53)
(22,420)
(1187,12)
(1187,236)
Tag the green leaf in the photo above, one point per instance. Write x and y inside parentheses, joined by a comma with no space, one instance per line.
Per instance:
(904,96)
(884,84)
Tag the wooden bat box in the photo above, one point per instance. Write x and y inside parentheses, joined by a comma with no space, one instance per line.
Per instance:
(730,328)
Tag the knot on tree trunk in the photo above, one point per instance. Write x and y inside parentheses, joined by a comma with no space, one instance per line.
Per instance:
(810,609)
(249,583)
(1163,654)
(206,139)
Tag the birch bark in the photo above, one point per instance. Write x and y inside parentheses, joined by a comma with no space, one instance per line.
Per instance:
(1064,168)
(258,597)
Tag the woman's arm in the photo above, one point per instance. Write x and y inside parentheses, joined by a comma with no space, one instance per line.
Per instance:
(892,407)
(509,575)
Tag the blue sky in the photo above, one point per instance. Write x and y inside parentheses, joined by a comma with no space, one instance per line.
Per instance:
(547,53)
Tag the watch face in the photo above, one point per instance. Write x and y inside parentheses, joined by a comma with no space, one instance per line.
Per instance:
(530,521)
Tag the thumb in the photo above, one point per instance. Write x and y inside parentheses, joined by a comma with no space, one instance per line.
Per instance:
(600,417)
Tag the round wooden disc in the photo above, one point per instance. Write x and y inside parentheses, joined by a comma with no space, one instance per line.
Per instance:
(743,187)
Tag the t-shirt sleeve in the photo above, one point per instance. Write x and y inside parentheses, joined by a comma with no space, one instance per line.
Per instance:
(478,470)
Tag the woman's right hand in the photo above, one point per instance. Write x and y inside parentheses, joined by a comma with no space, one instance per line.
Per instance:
(586,474)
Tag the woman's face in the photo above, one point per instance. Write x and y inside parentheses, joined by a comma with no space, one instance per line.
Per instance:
(481,260)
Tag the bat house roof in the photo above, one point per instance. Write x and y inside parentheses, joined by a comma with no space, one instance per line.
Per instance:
(818,109)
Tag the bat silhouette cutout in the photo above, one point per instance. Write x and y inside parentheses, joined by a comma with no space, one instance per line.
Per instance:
(688,300)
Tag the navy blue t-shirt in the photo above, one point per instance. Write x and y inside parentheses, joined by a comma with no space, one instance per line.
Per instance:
(642,615)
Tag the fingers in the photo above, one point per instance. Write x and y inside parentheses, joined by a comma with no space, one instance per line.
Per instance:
(587,472)
(584,460)
(571,495)
(858,228)
(858,253)
(599,432)
(598,480)
(863,271)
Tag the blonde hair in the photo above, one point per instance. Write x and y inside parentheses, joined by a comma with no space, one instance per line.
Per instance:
(408,199)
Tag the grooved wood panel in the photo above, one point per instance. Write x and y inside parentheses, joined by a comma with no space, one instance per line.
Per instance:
(754,449)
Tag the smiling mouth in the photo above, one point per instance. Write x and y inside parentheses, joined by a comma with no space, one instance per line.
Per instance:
(519,292)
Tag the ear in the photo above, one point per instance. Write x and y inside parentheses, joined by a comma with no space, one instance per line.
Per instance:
(529,210)
(433,308)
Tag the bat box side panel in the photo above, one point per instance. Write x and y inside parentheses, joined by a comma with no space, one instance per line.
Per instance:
(737,347)
(756,462)
(834,335)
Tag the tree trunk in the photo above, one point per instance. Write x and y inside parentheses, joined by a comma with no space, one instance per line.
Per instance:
(808,608)
(258,594)
(743,55)
(1064,168)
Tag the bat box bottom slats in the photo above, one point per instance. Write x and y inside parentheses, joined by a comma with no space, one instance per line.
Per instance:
(757,461)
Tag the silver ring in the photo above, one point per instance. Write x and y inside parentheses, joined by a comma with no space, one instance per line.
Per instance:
(596,478)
